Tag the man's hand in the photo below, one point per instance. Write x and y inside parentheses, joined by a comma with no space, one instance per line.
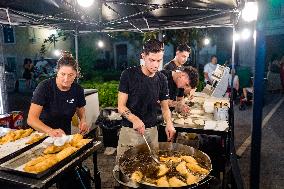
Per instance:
(182,108)
(139,126)
(170,131)
(83,127)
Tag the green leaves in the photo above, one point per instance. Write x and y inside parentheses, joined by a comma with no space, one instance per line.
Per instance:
(107,92)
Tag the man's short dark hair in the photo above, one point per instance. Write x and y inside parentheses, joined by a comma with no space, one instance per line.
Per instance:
(183,47)
(193,76)
(213,56)
(153,46)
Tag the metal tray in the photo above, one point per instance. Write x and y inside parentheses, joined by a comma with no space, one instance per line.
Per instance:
(20,151)
(18,161)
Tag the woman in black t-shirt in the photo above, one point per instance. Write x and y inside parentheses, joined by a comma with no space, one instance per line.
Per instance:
(56,100)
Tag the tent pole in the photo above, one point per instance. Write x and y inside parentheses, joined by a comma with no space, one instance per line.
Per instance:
(76,44)
(260,48)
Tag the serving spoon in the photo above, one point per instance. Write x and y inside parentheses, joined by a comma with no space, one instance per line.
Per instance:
(153,156)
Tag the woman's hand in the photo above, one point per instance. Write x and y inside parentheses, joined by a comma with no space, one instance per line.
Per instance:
(56,132)
(139,126)
(170,131)
(83,127)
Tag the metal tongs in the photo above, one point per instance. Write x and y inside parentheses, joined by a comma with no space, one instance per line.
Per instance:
(153,156)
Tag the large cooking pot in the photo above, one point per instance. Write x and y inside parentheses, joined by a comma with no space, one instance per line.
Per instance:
(128,163)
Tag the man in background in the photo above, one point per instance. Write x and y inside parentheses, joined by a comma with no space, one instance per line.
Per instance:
(209,68)
(182,54)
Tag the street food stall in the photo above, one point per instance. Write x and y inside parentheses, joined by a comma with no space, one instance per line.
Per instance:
(145,16)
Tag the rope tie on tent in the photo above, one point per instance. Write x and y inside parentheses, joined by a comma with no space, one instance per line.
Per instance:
(8,16)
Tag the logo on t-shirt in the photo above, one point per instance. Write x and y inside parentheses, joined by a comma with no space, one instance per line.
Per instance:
(70,101)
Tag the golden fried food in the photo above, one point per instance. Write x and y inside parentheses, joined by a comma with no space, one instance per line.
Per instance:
(27,132)
(18,134)
(191,179)
(189,159)
(41,166)
(52,149)
(15,135)
(35,138)
(163,182)
(8,137)
(137,176)
(36,161)
(163,169)
(65,153)
(82,143)
(173,159)
(175,182)
(181,168)
(76,138)
(196,168)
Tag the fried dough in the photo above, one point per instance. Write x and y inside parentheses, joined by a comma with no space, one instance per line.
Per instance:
(65,153)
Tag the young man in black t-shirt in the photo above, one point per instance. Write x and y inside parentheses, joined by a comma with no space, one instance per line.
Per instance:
(182,54)
(177,82)
(141,89)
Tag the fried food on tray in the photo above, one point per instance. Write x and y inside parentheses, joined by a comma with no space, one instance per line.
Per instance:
(175,182)
(15,135)
(173,159)
(196,168)
(35,138)
(76,138)
(181,168)
(27,132)
(137,176)
(49,161)
(36,160)
(18,134)
(52,149)
(189,159)
(82,143)
(65,153)
(163,169)
(191,179)
(163,182)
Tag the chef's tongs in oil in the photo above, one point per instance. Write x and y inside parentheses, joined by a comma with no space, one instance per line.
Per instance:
(153,156)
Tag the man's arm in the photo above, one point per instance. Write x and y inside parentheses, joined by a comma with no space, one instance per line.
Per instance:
(126,113)
(170,130)
(206,76)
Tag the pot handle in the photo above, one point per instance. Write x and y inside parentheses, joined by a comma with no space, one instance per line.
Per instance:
(116,172)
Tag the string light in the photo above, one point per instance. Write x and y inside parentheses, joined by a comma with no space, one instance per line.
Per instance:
(83,19)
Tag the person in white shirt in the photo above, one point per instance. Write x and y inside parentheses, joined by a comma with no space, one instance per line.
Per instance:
(41,64)
(236,83)
(209,68)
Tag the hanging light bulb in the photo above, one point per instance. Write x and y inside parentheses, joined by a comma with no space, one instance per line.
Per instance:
(206,41)
(85,3)
(101,44)
(56,52)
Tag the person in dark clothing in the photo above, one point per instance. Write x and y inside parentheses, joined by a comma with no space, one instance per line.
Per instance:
(182,54)
(177,82)
(141,90)
(28,69)
(56,100)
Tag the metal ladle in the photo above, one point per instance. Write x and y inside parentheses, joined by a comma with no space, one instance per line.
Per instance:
(153,156)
